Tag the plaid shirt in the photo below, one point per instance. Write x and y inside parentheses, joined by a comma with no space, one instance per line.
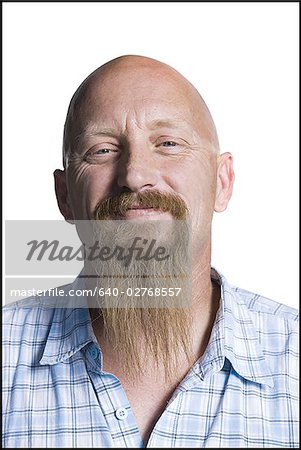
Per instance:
(243,391)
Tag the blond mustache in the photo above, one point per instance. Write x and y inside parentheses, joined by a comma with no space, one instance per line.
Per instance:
(118,205)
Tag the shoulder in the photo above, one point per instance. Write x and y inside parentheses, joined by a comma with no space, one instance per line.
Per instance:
(268,328)
(273,309)
(31,311)
(275,324)
(255,303)
(26,325)
(36,310)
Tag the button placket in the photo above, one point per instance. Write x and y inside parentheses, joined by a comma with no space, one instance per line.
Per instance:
(114,404)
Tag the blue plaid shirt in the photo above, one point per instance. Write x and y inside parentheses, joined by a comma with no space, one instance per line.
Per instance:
(243,392)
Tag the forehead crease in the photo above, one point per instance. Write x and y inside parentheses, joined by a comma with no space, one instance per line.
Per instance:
(153,114)
(114,113)
(96,129)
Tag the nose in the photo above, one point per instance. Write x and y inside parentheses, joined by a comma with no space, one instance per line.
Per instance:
(138,169)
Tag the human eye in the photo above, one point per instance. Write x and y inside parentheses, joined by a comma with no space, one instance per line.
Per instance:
(102,151)
(169,144)
(99,154)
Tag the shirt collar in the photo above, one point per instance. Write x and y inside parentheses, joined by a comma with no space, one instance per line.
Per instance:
(71,327)
(233,335)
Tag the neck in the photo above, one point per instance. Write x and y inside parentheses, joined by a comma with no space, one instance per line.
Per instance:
(205,304)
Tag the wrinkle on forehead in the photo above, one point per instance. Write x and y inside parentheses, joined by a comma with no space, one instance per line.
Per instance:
(136,74)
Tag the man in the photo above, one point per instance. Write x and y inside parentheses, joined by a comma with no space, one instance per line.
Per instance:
(140,145)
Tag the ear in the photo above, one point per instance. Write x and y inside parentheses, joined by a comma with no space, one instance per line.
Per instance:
(61,191)
(225,180)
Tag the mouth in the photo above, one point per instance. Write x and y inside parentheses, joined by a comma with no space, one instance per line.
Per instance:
(141,207)
(143,212)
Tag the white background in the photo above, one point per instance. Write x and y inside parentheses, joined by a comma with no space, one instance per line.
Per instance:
(243,58)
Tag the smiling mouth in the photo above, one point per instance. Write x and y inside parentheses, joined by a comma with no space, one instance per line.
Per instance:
(141,207)
(142,211)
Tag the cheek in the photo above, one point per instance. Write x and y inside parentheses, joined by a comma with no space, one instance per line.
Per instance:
(195,181)
(87,185)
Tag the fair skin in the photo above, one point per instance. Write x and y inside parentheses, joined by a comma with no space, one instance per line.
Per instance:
(142,126)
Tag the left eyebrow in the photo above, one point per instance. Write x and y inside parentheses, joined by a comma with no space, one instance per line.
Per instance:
(167,124)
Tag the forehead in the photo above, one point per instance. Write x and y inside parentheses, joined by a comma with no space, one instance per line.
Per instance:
(143,100)
(131,116)
(146,102)
(141,97)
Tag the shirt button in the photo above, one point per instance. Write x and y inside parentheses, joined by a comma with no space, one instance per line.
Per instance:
(94,352)
(121,413)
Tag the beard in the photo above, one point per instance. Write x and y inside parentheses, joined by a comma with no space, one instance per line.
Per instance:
(144,301)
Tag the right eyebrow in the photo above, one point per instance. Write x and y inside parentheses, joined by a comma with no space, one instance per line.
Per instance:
(85,133)
(167,123)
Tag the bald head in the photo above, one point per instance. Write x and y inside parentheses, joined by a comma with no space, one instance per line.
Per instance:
(129,79)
